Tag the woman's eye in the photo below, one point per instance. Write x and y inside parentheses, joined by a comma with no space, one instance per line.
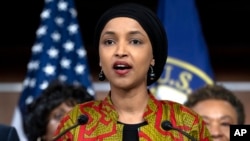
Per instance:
(225,124)
(108,42)
(136,41)
(58,116)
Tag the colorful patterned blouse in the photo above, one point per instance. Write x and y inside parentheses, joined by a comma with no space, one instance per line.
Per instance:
(103,122)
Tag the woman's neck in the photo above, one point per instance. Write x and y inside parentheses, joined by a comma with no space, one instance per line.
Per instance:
(130,105)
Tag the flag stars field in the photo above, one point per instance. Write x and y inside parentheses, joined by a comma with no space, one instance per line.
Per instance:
(49,69)
(79,68)
(56,37)
(62,6)
(59,21)
(58,53)
(45,14)
(68,46)
(53,52)
(37,48)
(72,28)
(41,31)
(65,63)
(81,52)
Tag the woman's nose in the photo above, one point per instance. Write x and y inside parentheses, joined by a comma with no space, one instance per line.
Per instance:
(215,130)
(121,50)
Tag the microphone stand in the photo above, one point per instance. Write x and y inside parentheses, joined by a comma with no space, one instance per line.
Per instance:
(167,125)
(82,119)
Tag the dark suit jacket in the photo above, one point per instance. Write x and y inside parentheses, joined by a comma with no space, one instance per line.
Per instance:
(8,133)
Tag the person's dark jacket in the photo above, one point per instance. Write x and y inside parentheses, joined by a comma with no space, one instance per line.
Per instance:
(8,133)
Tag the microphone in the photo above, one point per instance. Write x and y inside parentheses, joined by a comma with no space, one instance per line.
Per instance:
(167,125)
(82,119)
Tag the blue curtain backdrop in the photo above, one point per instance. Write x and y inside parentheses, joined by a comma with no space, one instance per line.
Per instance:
(57,54)
(188,66)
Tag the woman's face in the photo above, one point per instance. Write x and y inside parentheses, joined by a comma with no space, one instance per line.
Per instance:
(54,119)
(218,115)
(125,52)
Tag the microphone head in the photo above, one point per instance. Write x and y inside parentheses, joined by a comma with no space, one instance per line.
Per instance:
(82,119)
(166,125)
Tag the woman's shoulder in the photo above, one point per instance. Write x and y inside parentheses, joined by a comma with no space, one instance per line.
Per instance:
(182,115)
(87,107)
(181,111)
(175,105)
(90,103)
(78,110)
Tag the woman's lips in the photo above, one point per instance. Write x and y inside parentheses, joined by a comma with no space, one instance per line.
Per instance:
(122,72)
(121,68)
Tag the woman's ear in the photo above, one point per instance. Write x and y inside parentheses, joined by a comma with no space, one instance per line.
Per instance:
(152,62)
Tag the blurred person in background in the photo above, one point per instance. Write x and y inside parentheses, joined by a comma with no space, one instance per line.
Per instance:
(45,112)
(219,108)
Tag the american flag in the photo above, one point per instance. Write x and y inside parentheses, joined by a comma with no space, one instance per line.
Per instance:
(58,53)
